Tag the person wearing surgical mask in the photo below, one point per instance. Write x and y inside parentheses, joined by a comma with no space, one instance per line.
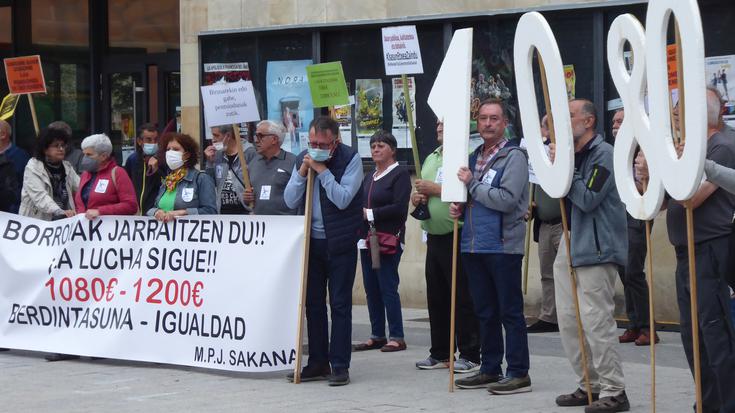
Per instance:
(104,187)
(185,190)
(142,167)
(223,165)
(336,219)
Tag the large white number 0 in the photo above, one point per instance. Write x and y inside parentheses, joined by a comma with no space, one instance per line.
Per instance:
(450,100)
(533,33)
(681,176)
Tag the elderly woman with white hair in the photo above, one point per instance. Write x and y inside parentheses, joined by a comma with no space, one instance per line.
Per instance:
(104,187)
(270,169)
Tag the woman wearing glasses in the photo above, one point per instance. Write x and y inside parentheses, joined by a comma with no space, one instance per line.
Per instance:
(49,182)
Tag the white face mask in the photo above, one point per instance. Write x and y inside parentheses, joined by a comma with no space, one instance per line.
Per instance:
(218,146)
(174,159)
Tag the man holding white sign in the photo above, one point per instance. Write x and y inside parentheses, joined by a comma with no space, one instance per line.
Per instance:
(597,221)
(492,250)
(713,209)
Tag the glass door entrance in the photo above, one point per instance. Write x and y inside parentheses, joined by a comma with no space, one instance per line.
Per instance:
(126,111)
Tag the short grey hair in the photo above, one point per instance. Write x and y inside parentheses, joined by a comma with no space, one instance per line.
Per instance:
(100,143)
(225,129)
(714,107)
(275,128)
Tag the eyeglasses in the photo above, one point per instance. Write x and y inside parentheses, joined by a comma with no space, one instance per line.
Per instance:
(324,146)
(261,136)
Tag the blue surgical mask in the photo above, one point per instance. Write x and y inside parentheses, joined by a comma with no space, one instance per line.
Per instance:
(320,155)
(150,149)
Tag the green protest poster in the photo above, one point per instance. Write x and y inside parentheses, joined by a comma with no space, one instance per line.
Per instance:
(327,84)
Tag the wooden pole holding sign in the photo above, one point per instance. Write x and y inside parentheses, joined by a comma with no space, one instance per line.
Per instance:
(452,313)
(33,113)
(651,315)
(243,162)
(690,233)
(532,193)
(304,274)
(409,114)
(565,228)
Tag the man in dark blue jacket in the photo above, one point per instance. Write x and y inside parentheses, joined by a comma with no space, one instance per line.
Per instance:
(17,156)
(336,218)
(492,250)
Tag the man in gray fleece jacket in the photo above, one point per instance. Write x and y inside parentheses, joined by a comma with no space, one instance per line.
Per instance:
(599,244)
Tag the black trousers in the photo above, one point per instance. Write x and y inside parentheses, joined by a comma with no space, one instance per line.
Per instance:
(439,293)
(716,333)
(633,275)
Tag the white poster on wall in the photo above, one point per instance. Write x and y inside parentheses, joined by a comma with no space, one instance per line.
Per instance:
(197,291)
(401,52)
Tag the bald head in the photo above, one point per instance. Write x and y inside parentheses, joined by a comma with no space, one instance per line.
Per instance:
(5,133)
(714,108)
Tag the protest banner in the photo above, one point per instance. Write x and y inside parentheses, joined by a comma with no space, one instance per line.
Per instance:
(7,108)
(225,73)
(25,76)
(229,103)
(327,85)
(197,291)
(401,52)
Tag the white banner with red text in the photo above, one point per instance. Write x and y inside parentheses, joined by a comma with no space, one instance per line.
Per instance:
(212,291)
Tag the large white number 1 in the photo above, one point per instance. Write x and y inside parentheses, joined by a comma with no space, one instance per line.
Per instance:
(450,100)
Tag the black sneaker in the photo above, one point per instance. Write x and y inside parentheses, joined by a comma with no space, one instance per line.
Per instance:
(511,385)
(312,373)
(339,377)
(478,380)
(542,326)
(610,404)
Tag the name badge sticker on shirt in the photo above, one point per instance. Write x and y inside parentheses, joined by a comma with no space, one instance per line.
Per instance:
(219,169)
(101,187)
(439,175)
(489,176)
(265,192)
(187,194)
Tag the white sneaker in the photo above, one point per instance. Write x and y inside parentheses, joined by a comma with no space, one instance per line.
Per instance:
(462,366)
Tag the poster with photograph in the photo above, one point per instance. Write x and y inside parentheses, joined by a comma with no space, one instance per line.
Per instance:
(400,114)
(720,73)
(570,78)
(289,101)
(368,112)
(486,83)
(224,73)
(343,116)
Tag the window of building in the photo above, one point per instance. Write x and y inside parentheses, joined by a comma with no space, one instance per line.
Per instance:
(141,26)
(60,23)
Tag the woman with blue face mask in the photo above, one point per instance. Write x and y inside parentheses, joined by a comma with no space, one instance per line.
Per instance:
(142,167)
(185,190)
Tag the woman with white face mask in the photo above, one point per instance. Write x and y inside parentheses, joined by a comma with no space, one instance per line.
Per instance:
(185,190)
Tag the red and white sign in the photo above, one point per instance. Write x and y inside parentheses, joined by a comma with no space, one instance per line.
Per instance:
(25,75)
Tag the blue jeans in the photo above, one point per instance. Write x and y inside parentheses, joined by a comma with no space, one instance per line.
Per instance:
(337,273)
(495,286)
(381,290)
